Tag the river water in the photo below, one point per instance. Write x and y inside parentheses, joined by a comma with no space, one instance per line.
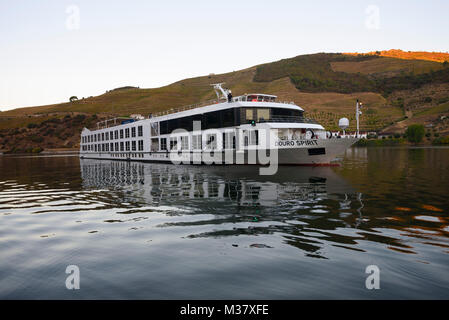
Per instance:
(160,231)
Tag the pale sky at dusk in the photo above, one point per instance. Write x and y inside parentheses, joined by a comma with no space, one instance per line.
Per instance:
(51,50)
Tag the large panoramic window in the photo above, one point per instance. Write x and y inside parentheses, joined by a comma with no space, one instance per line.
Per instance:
(263,114)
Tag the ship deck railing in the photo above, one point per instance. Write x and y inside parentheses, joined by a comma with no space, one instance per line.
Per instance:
(205,103)
(288,119)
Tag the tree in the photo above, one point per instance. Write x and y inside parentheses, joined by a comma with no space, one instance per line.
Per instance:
(73,98)
(415,133)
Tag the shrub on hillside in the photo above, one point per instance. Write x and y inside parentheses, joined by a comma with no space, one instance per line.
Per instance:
(415,133)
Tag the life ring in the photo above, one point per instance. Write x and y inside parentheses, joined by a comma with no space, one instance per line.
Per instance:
(311,132)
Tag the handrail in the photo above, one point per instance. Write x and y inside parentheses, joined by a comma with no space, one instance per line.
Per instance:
(289,119)
(185,108)
(205,103)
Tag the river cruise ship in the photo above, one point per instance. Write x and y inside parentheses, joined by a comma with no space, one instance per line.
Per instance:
(248,129)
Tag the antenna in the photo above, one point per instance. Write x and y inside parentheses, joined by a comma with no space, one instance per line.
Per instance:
(219,89)
(358,106)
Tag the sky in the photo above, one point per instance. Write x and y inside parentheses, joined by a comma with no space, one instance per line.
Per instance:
(52,50)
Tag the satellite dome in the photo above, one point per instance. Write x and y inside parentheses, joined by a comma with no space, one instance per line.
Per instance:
(343,123)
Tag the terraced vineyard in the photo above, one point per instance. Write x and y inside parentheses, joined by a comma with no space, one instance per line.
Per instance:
(396,88)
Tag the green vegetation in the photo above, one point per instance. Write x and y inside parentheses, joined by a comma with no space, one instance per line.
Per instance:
(379,142)
(441,141)
(314,73)
(415,133)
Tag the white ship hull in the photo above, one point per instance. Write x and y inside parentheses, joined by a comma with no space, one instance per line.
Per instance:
(294,155)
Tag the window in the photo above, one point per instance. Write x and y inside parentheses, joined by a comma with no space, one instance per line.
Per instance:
(228,117)
(107,146)
(316,151)
(133,145)
(116,146)
(127,145)
(173,143)
(127,133)
(229,140)
(112,146)
(185,143)
(155,145)
(98,137)
(254,137)
(140,145)
(263,114)
(102,136)
(121,133)
(249,114)
(107,135)
(163,144)
(133,132)
(121,146)
(140,131)
(116,134)
(155,129)
(196,142)
(211,141)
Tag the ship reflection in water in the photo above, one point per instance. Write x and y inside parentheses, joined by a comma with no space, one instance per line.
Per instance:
(161,231)
(309,207)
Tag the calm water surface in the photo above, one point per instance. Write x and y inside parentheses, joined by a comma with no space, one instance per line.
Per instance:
(185,232)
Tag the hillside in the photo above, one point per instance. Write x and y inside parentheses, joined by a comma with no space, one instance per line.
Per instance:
(396,88)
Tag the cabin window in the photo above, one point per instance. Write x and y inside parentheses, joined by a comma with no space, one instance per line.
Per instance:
(102,136)
(185,143)
(107,135)
(111,135)
(133,132)
(133,145)
(229,140)
(116,146)
(116,134)
(127,133)
(245,138)
(140,131)
(112,146)
(211,141)
(121,133)
(174,143)
(163,144)
(196,142)
(121,146)
(254,137)
(127,145)
(140,145)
